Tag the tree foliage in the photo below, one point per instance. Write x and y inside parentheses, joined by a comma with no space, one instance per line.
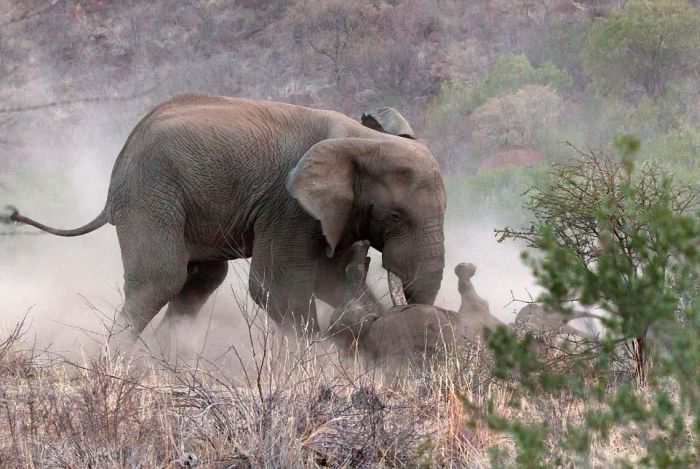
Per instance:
(600,220)
(645,46)
(563,45)
(512,72)
(626,243)
(515,119)
(334,30)
(512,105)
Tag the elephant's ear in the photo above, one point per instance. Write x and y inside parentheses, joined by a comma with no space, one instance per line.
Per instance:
(388,120)
(323,182)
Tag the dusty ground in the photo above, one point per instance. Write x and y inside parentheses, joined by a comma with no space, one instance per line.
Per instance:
(272,402)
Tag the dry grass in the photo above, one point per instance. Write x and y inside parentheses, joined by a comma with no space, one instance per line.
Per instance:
(295,404)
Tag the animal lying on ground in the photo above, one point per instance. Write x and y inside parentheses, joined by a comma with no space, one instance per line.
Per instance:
(539,319)
(206,179)
(404,332)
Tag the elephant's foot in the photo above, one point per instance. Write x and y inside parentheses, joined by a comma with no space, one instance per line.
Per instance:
(121,338)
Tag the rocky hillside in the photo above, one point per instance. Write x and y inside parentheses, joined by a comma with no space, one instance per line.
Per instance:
(453,67)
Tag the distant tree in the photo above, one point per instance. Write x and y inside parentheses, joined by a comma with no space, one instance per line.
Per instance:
(645,46)
(514,119)
(400,68)
(610,235)
(513,71)
(403,56)
(510,73)
(333,29)
(563,45)
(509,107)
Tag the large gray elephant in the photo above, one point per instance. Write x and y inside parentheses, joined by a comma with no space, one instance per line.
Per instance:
(205,179)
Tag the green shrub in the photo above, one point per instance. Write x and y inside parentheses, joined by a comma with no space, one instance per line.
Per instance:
(647,45)
(679,151)
(624,242)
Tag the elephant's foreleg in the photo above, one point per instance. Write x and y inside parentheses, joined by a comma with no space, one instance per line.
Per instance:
(282,274)
(287,303)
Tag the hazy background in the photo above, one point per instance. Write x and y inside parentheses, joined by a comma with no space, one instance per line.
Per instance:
(492,86)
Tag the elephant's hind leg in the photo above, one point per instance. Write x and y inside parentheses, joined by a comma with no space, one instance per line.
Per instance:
(155,270)
(202,279)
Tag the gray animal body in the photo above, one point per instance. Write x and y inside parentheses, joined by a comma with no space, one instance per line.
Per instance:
(405,333)
(206,179)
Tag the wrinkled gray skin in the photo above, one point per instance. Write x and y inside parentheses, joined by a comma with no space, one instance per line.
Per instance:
(206,179)
(538,319)
(409,332)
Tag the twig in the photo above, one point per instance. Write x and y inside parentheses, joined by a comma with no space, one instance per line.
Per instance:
(69,102)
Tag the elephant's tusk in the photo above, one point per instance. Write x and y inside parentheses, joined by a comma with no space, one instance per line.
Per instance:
(398,297)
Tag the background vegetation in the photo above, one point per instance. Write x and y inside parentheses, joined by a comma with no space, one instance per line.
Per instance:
(489,84)
(511,96)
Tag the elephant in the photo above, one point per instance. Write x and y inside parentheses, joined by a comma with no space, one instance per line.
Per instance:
(205,179)
(388,120)
(405,332)
(549,328)
(539,319)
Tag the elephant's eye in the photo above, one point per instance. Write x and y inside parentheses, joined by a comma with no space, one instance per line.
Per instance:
(394,216)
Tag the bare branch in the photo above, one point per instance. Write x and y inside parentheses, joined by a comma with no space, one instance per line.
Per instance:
(70,102)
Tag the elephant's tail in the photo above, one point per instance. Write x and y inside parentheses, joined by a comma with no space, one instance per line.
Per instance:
(98,222)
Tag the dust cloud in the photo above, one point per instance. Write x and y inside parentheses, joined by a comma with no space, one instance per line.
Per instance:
(69,286)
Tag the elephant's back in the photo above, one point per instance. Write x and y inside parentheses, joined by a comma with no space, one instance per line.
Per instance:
(208,149)
(193,125)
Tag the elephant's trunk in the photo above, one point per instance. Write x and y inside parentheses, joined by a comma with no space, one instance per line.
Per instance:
(423,282)
(424,288)
(418,264)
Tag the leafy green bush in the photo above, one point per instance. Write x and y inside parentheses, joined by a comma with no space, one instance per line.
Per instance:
(624,242)
(450,129)
(512,72)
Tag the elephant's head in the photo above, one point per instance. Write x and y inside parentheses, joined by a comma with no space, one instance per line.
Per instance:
(388,191)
